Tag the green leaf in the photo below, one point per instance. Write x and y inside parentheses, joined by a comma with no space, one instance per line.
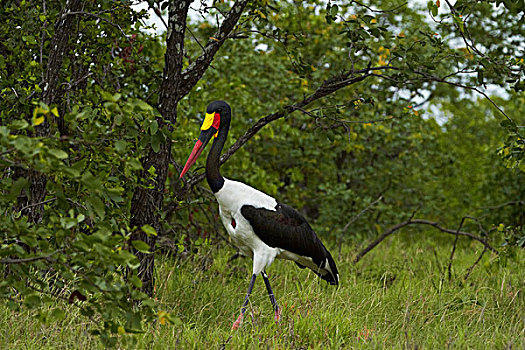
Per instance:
(135,281)
(19,124)
(32,300)
(17,187)
(141,105)
(90,181)
(133,322)
(120,146)
(141,246)
(334,10)
(149,230)
(97,205)
(57,153)
(153,127)
(156,141)
(57,314)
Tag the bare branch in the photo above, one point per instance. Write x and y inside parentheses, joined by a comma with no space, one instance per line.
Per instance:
(469,270)
(430,77)
(354,219)
(504,205)
(97,16)
(454,248)
(328,87)
(31,259)
(159,14)
(380,11)
(36,204)
(420,222)
(195,70)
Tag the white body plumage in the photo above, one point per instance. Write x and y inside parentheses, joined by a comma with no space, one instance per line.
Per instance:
(231,198)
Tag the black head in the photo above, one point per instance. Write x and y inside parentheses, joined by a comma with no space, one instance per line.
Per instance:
(216,121)
(220,107)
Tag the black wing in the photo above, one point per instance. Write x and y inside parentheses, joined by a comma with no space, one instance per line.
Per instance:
(286,228)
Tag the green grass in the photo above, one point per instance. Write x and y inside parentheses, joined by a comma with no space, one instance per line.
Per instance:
(398,296)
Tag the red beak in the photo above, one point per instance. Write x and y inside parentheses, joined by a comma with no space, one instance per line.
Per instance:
(197,150)
(201,143)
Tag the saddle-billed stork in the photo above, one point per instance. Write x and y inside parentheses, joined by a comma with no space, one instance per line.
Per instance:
(260,226)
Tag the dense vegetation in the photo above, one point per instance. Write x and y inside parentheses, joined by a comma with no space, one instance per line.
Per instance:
(363,116)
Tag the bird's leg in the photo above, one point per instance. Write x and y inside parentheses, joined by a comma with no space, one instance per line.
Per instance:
(237,323)
(276,308)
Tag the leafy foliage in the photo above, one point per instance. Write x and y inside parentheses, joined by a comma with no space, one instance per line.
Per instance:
(381,110)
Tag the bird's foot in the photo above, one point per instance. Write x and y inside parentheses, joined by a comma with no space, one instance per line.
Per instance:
(237,323)
(278,314)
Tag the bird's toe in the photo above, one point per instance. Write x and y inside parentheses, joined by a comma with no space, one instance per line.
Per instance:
(278,314)
(237,323)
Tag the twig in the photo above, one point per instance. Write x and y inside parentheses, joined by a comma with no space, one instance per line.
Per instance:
(469,270)
(31,259)
(84,13)
(504,205)
(380,11)
(454,249)
(441,80)
(37,204)
(354,219)
(9,150)
(159,14)
(76,82)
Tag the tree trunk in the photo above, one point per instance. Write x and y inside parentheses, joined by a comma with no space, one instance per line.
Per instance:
(145,207)
(32,205)
(147,199)
(147,203)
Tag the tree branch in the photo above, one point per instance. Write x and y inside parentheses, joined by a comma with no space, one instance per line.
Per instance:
(443,80)
(195,70)
(36,204)
(328,87)
(171,80)
(97,16)
(469,270)
(419,222)
(31,259)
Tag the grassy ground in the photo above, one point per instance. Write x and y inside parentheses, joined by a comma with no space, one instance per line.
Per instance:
(398,296)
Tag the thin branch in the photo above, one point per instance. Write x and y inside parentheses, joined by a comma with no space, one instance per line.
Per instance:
(36,204)
(380,11)
(354,219)
(469,270)
(196,69)
(31,259)
(454,248)
(504,205)
(429,77)
(9,150)
(76,82)
(159,14)
(327,87)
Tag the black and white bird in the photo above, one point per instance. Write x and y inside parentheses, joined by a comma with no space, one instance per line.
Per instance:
(260,226)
